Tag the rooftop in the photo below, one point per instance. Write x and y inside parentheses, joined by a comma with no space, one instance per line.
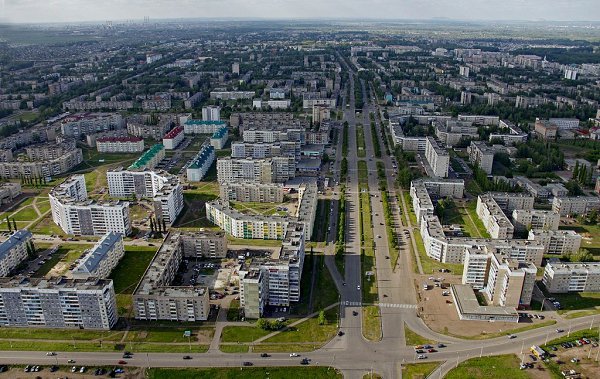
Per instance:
(15,239)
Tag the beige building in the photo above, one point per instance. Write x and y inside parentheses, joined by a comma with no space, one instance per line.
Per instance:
(100,260)
(572,277)
(578,205)
(437,157)
(493,218)
(557,241)
(510,283)
(482,155)
(252,192)
(535,219)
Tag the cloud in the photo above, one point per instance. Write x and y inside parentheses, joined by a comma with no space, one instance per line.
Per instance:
(101,10)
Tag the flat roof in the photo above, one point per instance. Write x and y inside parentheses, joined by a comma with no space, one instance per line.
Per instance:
(15,239)
(466,303)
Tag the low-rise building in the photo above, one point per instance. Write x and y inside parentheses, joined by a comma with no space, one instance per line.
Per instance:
(199,165)
(572,277)
(57,303)
(173,138)
(150,159)
(468,307)
(219,138)
(9,191)
(100,260)
(563,242)
(120,144)
(14,251)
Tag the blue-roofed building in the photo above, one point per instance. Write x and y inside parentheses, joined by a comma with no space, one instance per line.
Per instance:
(13,251)
(200,164)
(219,138)
(203,126)
(100,260)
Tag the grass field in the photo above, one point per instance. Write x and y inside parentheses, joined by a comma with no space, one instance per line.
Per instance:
(233,313)
(310,330)
(246,373)
(235,349)
(485,336)
(265,209)
(413,338)
(590,234)
(476,222)
(498,367)
(253,242)
(242,333)
(579,301)
(130,269)
(371,322)
(411,213)
(418,370)
(65,255)
(168,335)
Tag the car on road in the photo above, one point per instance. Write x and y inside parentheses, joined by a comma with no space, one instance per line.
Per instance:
(511,336)
(354,313)
(50,354)
(71,361)
(440,345)
(419,351)
(74,369)
(247,363)
(344,283)
(292,355)
(559,330)
(432,350)
(187,357)
(305,361)
(421,356)
(340,333)
(358,287)
(264,355)
(122,362)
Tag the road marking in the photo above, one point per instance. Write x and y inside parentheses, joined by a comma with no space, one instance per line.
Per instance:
(383,305)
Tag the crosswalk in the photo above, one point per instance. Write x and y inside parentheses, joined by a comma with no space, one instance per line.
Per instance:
(381,305)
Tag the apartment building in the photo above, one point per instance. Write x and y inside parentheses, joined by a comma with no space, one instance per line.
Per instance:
(421,201)
(27,137)
(41,169)
(274,280)
(240,225)
(493,218)
(13,251)
(476,267)
(204,244)
(89,123)
(155,298)
(536,190)
(252,192)
(9,191)
(199,165)
(202,126)
(268,170)
(100,260)
(173,138)
(510,282)
(90,139)
(265,150)
(150,159)
(49,150)
(76,214)
(149,127)
(255,135)
(577,205)
(421,191)
(57,303)
(535,219)
(572,277)
(263,119)
(164,189)
(481,155)
(120,144)
(545,130)
(561,242)
(320,113)
(211,113)
(219,138)
(78,104)
(232,95)
(509,201)
(437,157)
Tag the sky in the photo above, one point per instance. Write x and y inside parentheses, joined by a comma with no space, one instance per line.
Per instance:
(37,11)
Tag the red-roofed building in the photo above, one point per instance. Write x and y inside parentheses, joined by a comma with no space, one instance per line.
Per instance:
(120,144)
(173,138)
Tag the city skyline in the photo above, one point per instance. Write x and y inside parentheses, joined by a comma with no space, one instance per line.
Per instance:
(30,11)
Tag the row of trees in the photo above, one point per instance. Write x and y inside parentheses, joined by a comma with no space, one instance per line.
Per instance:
(485,184)
(341,227)
(157,226)
(376,145)
(583,174)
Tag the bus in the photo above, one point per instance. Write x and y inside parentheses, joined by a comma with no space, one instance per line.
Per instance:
(538,352)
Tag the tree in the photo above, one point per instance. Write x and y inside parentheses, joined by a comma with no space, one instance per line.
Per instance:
(574,188)
(322,319)
(583,255)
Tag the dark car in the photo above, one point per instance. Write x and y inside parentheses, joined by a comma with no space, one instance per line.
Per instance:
(264,355)
(187,357)
(340,333)
(440,345)
(247,363)
(4,368)
(354,313)
(305,361)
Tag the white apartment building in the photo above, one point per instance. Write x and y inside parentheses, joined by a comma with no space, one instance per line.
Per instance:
(437,157)
(579,205)
(510,283)
(41,169)
(164,189)
(198,166)
(57,303)
(120,144)
(211,113)
(88,123)
(240,225)
(13,251)
(173,138)
(203,126)
(265,150)
(482,155)
(493,218)
(557,241)
(572,277)
(274,280)
(535,219)
(75,214)
(252,192)
(150,159)
(204,244)
(100,260)
(269,170)
(476,267)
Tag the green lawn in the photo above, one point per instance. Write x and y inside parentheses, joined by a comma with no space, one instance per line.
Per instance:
(310,330)
(234,348)
(167,335)
(590,234)
(58,334)
(246,373)
(233,313)
(242,333)
(360,141)
(266,209)
(430,265)
(471,207)
(107,346)
(285,347)
(418,370)
(43,206)
(47,226)
(484,336)
(413,338)
(132,266)
(371,322)
(411,213)
(498,367)
(578,301)
(26,213)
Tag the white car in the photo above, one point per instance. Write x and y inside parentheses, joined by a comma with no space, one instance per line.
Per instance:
(50,353)
(358,288)
(294,355)
(421,356)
